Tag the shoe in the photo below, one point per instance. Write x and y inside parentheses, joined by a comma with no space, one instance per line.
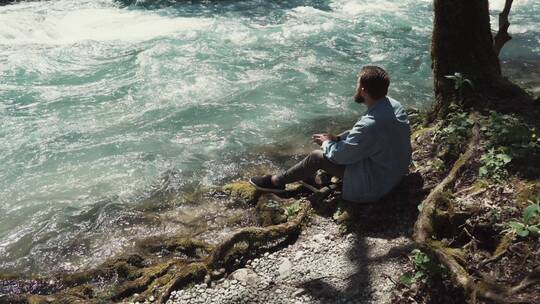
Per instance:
(316,182)
(264,183)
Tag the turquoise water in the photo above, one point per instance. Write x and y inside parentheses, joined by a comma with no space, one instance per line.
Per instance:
(111,111)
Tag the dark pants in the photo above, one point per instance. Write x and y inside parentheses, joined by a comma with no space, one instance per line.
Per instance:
(307,168)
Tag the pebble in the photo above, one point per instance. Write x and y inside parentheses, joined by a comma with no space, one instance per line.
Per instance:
(273,277)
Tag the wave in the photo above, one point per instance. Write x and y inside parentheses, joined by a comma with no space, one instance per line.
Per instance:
(31,26)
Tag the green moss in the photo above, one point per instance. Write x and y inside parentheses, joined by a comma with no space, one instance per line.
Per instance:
(187,246)
(505,241)
(148,275)
(526,190)
(242,191)
(270,211)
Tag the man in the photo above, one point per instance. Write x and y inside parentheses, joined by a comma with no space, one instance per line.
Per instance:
(371,158)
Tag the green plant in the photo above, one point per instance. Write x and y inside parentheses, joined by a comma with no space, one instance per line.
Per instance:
(458,125)
(271,204)
(424,268)
(293,209)
(509,130)
(459,84)
(530,220)
(494,164)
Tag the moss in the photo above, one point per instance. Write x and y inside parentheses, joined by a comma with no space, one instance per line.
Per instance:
(504,243)
(242,191)
(33,299)
(420,132)
(525,191)
(270,211)
(140,284)
(190,247)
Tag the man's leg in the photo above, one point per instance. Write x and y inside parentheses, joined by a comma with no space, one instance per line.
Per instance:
(307,168)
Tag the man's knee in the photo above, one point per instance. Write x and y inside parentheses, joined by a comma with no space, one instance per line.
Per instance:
(316,156)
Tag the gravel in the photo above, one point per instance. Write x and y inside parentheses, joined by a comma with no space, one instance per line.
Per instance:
(322,266)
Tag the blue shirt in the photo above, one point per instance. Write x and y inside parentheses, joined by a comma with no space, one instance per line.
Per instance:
(376,152)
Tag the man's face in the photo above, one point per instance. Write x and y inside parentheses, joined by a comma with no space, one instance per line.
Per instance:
(358,96)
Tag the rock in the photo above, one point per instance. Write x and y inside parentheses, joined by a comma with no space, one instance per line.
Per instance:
(300,292)
(242,191)
(285,268)
(151,299)
(319,238)
(245,275)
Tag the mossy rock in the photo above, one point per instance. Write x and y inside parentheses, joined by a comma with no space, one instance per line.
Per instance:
(270,210)
(242,191)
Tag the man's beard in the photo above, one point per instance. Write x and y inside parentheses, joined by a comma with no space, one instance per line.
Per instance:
(358,98)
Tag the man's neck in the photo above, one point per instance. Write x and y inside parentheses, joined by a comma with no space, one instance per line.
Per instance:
(370,102)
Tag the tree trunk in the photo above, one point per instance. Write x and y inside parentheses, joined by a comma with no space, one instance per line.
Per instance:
(462,42)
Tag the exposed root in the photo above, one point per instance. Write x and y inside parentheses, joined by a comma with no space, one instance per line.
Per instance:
(256,236)
(425,235)
(139,278)
(423,229)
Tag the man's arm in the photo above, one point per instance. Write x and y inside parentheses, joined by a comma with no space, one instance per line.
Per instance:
(343,135)
(359,144)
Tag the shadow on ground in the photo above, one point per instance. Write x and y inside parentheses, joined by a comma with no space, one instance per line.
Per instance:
(391,217)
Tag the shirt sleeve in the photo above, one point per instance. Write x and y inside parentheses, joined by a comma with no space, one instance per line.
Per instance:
(359,144)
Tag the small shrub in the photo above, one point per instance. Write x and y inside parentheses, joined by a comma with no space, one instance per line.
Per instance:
(494,164)
(293,209)
(530,220)
(458,126)
(459,84)
(424,268)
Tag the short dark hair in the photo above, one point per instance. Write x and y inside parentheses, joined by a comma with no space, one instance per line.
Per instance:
(375,81)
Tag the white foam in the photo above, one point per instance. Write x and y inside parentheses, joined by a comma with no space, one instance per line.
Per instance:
(499,4)
(98,24)
(360,7)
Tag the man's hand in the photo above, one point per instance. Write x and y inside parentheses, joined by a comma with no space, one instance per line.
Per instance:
(320,138)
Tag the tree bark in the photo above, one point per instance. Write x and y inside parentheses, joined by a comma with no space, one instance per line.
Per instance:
(462,42)
(502,36)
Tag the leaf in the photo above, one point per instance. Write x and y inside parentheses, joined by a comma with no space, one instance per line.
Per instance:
(406,279)
(506,158)
(523,232)
(483,171)
(531,212)
(418,275)
(470,83)
(450,77)
(535,229)
(516,225)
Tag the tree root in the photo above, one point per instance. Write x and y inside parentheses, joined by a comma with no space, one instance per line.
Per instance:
(425,237)
(139,278)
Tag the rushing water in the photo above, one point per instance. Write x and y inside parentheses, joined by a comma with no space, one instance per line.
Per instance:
(105,106)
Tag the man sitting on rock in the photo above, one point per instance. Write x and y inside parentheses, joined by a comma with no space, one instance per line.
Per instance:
(371,158)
